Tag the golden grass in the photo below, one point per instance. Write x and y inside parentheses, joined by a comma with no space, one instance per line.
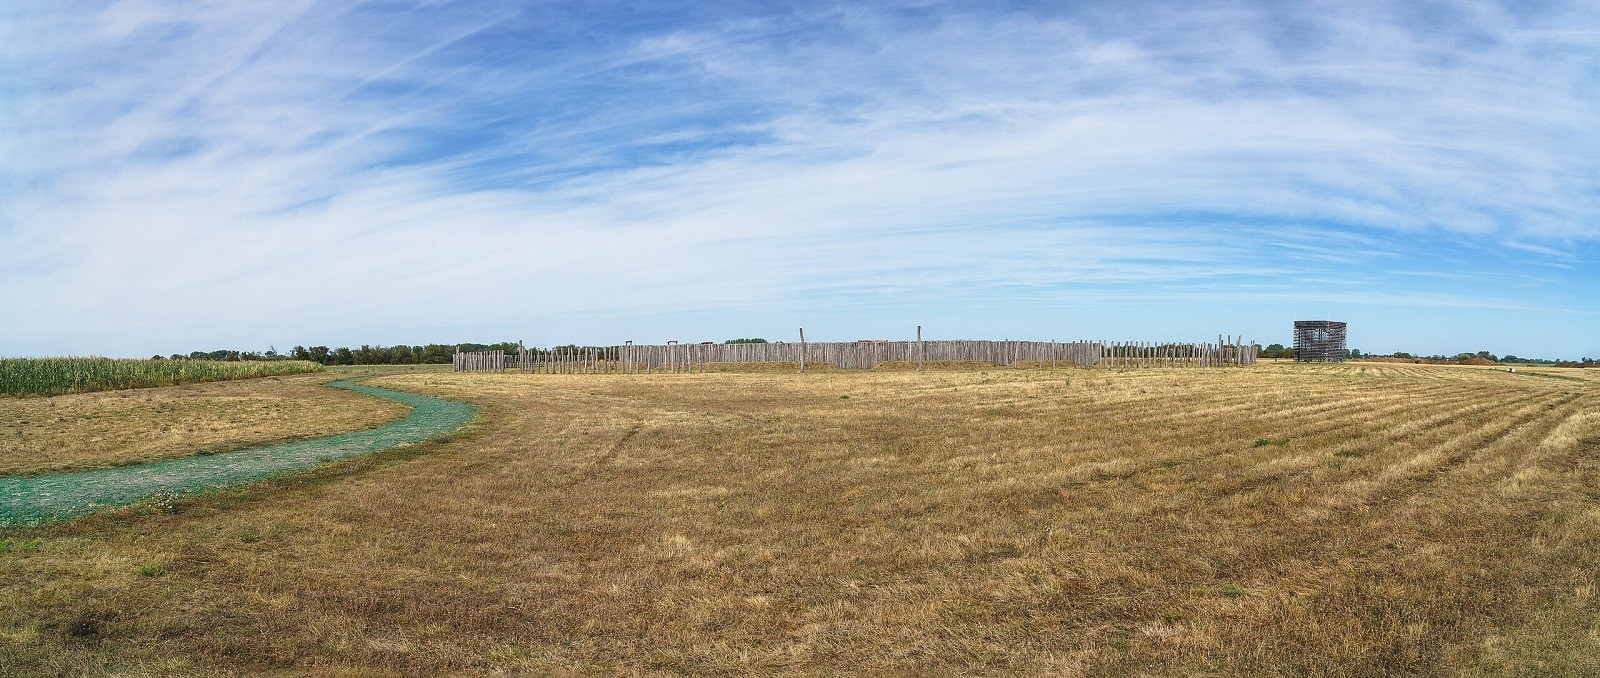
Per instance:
(1417,520)
(113,428)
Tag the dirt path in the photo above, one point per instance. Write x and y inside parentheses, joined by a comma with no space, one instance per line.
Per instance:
(41,499)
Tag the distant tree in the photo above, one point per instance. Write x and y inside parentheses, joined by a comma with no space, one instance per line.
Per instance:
(197,355)
(437,353)
(1354,353)
(1402,354)
(299,353)
(272,352)
(1487,356)
(1277,351)
(399,355)
(321,355)
(343,356)
(158,356)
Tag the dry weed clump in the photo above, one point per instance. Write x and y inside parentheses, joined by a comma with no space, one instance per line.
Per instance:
(1415,520)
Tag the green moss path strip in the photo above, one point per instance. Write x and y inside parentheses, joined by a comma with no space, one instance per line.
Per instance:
(41,499)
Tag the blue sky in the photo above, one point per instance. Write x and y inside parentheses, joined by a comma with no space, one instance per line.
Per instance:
(188,175)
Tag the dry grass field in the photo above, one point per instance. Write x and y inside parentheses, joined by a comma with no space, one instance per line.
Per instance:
(112,428)
(1280,519)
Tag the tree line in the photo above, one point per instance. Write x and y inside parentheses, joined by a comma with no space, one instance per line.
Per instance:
(426,354)
(364,355)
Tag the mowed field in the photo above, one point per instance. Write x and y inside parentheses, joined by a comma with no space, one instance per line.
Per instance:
(86,431)
(1337,520)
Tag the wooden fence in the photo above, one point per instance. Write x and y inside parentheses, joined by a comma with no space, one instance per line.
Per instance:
(648,358)
(479,361)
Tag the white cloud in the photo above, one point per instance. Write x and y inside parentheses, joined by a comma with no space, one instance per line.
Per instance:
(231,170)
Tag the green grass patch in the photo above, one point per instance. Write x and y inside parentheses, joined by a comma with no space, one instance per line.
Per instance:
(15,544)
(162,486)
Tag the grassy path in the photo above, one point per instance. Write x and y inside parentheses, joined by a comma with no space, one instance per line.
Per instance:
(41,499)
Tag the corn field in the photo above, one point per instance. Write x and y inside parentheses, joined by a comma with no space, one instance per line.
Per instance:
(55,376)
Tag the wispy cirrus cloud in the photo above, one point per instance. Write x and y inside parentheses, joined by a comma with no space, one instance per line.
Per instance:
(337,172)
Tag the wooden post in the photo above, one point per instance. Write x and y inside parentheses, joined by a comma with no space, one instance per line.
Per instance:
(921,351)
(802,350)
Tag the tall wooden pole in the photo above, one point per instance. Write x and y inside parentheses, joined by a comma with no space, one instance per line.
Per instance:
(921,351)
(802,350)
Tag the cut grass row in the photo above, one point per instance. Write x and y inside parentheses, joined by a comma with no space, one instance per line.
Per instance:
(57,376)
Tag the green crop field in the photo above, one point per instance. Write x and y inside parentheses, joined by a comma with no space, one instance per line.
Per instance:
(56,376)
